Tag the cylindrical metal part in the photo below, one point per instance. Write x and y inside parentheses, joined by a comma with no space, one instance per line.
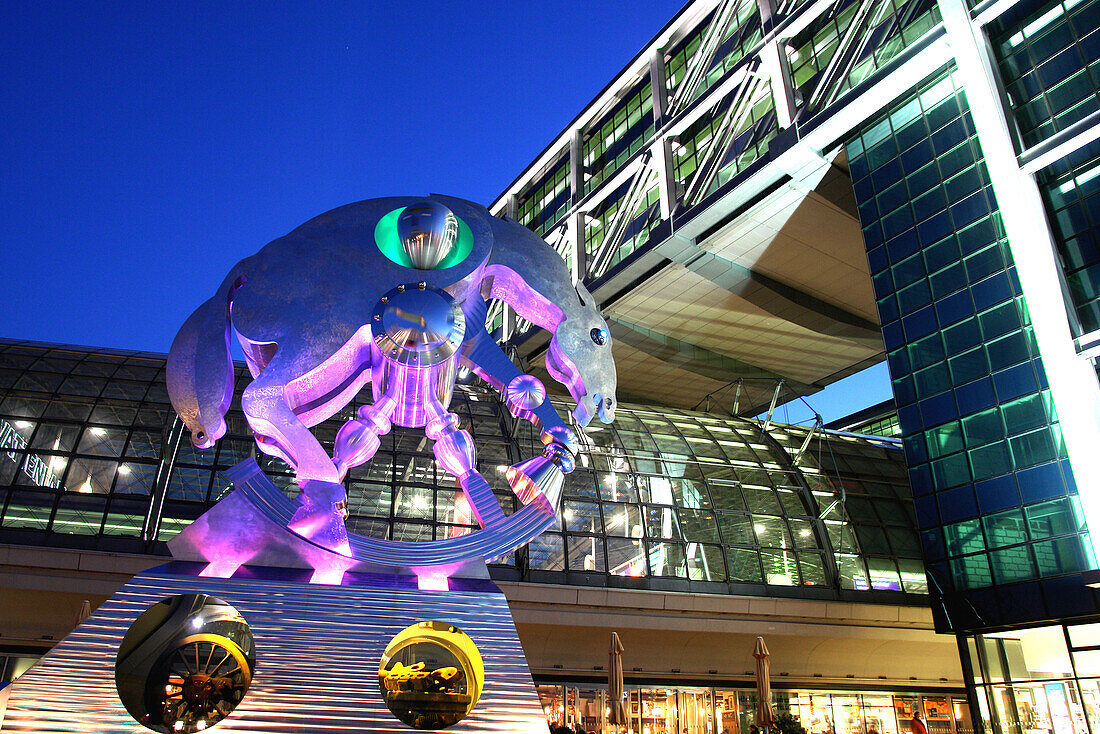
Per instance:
(417,333)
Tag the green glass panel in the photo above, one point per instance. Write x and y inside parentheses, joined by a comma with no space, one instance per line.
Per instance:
(990,460)
(982,428)
(1012,564)
(945,439)
(1051,518)
(1060,556)
(1005,528)
(971,572)
(964,537)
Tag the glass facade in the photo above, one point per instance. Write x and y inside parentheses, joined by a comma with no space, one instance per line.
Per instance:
(1043,680)
(994,495)
(706,710)
(741,35)
(636,233)
(93,457)
(885,31)
(1071,192)
(618,135)
(748,139)
(543,203)
(1048,55)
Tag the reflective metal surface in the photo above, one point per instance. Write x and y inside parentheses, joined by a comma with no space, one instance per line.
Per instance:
(311,677)
(327,308)
(417,331)
(250,526)
(428,231)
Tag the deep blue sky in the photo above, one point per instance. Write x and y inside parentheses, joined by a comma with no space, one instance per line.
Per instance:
(145,148)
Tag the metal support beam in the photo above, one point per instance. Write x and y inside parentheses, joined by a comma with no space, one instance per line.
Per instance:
(575,236)
(170,445)
(509,323)
(700,62)
(1072,379)
(576,167)
(771,408)
(806,442)
(658,88)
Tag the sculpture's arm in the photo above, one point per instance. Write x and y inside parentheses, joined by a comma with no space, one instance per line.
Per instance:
(539,479)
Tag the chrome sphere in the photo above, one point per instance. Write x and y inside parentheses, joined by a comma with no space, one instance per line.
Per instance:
(428,232)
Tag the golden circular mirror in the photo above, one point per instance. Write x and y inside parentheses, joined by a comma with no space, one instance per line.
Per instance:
(431,675)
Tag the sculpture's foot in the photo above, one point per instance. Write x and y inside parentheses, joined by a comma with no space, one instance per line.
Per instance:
(320,516)
(538,480)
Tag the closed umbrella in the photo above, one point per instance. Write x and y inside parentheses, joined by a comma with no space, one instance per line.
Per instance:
(764,716)
(617,714)
(84,612)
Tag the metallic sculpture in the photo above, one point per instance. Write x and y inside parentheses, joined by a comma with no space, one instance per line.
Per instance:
(393,292)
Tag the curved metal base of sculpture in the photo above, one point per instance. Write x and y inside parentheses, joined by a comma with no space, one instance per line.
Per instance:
(250,527)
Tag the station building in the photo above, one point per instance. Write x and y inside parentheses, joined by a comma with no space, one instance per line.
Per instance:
(688,533)
(773,195)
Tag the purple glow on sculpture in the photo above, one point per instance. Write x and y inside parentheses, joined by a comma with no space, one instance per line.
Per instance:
(223,568)
(322,311)
(433,579)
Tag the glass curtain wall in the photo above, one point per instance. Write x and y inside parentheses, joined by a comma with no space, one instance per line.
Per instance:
(995,497)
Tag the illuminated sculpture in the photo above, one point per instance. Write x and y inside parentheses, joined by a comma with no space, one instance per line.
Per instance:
(393,292)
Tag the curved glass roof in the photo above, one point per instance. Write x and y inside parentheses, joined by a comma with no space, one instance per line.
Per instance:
(91,456)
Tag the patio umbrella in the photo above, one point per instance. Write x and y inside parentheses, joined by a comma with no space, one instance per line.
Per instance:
(617,714)
(764,716)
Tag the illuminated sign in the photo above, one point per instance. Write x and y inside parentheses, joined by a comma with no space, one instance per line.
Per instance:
(34,467)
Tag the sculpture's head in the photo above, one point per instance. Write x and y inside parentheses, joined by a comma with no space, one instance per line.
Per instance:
(580,358)
(428,232)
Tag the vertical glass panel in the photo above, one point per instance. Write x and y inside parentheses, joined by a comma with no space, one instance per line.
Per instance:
(815,713)
(667,559)
(29,509)
(853,575)
(1035,653)
(847,715)
(626,557)
(744,565)
(878,712)
(586,554)
(705,562)
(780,568)
(546,553)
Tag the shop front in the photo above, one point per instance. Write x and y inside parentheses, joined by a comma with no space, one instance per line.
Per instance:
(702,710)
(1044,680)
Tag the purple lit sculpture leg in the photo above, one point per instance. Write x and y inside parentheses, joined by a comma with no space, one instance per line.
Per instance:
(455,452)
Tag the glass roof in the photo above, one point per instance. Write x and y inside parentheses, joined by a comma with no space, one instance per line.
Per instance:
(91,456)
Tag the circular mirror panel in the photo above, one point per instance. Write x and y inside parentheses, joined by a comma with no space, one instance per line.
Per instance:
(185,664)
(431,675)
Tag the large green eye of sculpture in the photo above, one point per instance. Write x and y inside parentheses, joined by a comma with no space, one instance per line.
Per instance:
(425,236)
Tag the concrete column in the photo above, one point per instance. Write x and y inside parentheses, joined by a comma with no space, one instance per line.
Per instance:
(575,235)
(774,64)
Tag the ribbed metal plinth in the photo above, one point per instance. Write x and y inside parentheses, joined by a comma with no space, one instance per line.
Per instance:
(317,654)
